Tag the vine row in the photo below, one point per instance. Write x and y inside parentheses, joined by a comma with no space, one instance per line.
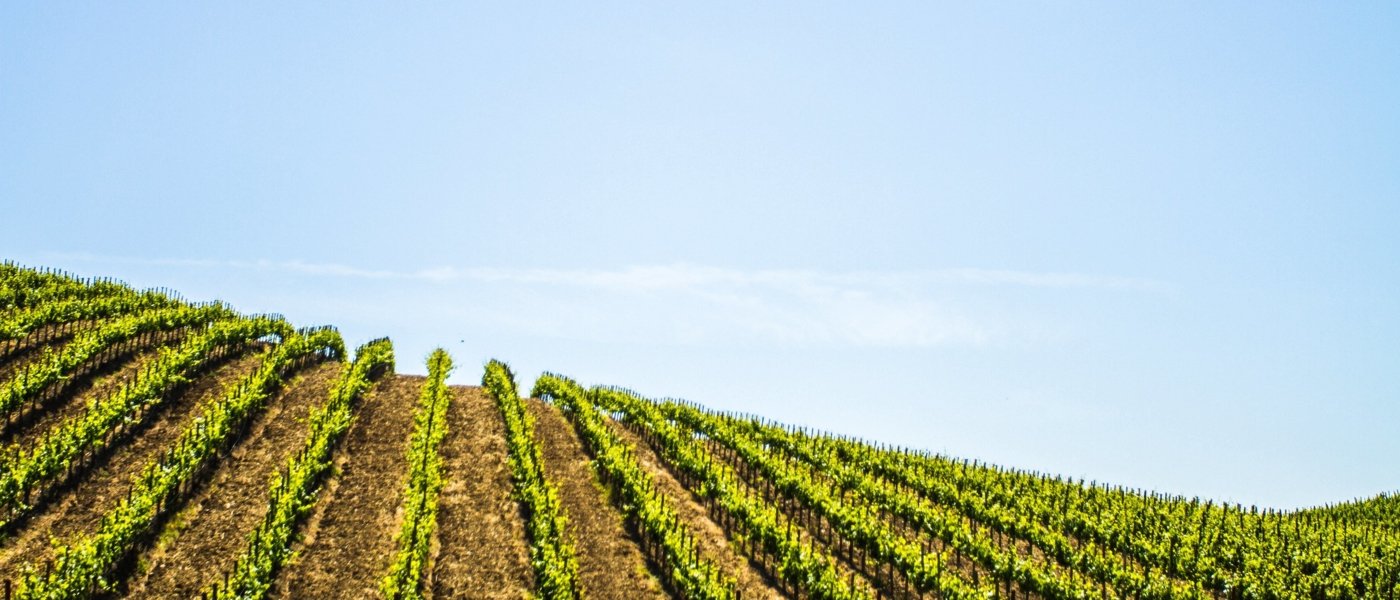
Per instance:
(22,288)
(24,322)
(665,537)
(55,366)
(293,490)
(66,447)
(424,483)
(87,566)
(552,552)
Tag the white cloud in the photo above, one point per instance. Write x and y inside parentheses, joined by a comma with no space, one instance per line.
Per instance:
(674,276)
(699,305)
(687,276)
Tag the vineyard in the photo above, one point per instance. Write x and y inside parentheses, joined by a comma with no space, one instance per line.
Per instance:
(155,447)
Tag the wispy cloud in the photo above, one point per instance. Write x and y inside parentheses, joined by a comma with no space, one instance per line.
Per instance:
(673,276)
(686,275)
(696,304)
(293,266)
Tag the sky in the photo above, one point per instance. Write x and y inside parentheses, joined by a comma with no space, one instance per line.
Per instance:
(1151,244)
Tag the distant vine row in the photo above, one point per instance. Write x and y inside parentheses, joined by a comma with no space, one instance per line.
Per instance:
(21,323)
(22,288)
(423,485)
(1106,567)
(1049,581)
(552,552)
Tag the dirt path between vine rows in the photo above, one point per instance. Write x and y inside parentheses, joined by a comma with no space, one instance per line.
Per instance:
(349,538)
(611,564)
(78,509)
(205,538)
(714,542)
(482,551)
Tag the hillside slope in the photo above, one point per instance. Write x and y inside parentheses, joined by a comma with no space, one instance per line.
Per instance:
(221,455)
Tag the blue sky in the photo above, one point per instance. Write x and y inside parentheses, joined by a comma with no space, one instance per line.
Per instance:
(1152,245)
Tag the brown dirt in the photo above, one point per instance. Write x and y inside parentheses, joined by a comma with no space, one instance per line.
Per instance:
(714,541)
(611,565)
(349,540)
(78,509)
(211,530)
(482,550)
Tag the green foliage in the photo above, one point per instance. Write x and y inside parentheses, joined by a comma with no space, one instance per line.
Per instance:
(21,470)
(82,567)
(23,322)
(424,483)
(824,492)
(693,574)
(1382,510)
(293,490)
(938,508)
(1095,542)
(22,288)
(1233,550)
(55,365)
(552,551)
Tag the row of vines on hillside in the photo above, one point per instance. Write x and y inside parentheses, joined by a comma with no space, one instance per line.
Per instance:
(83,567)
(22,288)
(1130,544)
(1230,551)
(50,392)
(21,323)
(64,448)
(54,366)
(937,508)
(294,490)
(859,523)
(423,485)
(668,540)
(772,536)
(851,493)
(552,551)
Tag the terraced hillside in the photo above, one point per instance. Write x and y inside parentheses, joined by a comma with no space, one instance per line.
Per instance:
(158,448)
